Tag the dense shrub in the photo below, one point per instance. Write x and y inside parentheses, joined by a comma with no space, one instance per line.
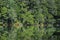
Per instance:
(28,19)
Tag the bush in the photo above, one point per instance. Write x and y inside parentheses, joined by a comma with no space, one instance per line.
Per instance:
(28,19)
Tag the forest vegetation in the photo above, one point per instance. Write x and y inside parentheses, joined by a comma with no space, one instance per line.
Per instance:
(29,19)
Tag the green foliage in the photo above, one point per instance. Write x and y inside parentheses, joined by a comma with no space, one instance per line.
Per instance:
(28,19)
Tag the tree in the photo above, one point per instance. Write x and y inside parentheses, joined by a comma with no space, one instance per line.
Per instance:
(28,19)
